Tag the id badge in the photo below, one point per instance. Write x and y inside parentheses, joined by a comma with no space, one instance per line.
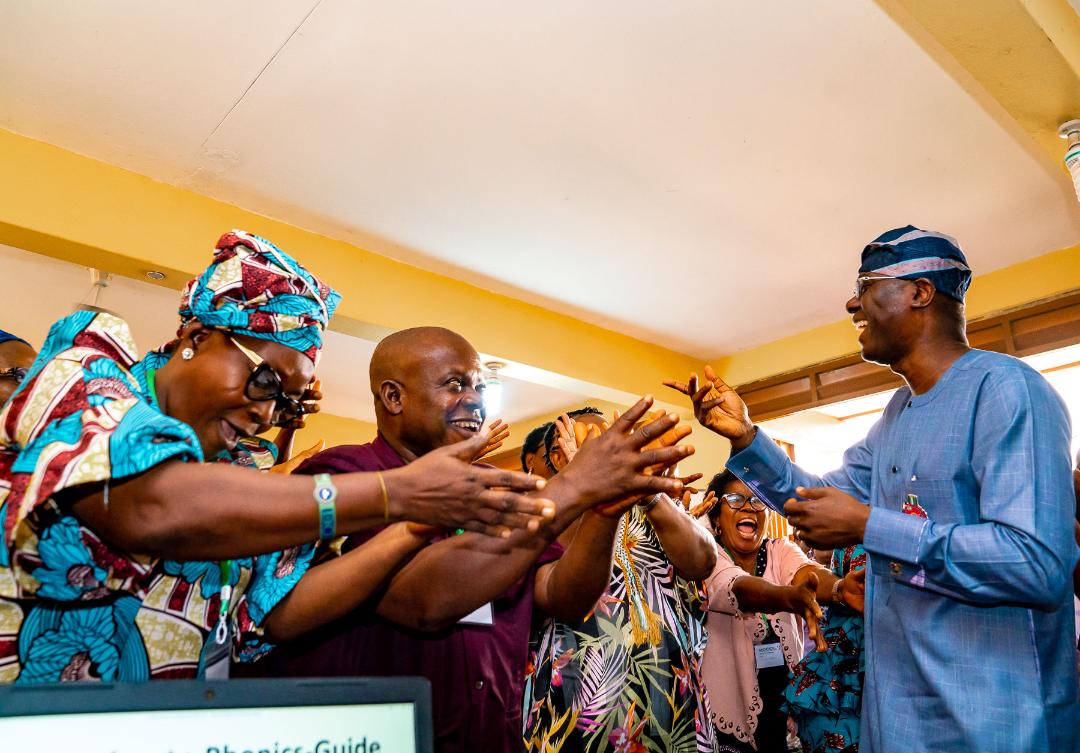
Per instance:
(483,615)
(768,655)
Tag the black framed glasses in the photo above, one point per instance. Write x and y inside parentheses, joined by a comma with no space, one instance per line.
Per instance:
(264,383)
(863,282)
(16,374)
(737,501)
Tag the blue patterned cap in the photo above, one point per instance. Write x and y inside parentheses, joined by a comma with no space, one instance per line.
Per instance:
(910,253)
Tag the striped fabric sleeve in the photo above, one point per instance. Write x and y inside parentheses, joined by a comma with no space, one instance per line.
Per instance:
(81,418)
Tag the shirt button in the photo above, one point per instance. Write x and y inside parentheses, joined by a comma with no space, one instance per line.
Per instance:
(479,684)
(895,469)
(909,403)
(896,568)
(745,469)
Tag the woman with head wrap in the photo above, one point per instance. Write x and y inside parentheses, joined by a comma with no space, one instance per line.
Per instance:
(16,355)
(127,558)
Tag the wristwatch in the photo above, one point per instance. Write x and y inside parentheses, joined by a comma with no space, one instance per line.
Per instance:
(836,597)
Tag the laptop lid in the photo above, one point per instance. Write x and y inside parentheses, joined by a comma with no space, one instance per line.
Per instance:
(339,715)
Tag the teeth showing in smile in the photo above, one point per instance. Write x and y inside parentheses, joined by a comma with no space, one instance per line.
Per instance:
(860,325)
(472,426)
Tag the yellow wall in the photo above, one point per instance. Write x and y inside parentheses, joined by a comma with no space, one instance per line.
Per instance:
(126,223)
(334,430)
(1042,277)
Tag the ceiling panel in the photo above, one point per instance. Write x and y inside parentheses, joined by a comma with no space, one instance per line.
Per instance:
(700,175)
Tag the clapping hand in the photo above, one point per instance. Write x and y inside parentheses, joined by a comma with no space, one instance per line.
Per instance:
(497,433)
(612,470)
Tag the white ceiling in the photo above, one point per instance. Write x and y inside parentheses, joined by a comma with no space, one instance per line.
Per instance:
(38,290)
(574,155)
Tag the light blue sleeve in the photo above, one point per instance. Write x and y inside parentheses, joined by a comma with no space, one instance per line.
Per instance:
(768,471)
(1021,549)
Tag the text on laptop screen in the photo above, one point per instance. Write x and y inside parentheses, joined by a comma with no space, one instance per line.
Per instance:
(368,728)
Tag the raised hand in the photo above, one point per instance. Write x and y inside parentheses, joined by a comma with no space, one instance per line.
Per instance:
(853,590)
(802,600)
(717,407)
(827,518)
(443,488)
(619,465)
(703,507)
(498,431)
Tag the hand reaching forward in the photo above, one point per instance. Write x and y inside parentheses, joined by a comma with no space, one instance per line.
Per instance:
(717,407)
(443,488)
(802,600)
(618,466)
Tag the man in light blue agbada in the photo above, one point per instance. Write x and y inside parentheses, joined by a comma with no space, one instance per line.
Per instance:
(962,497)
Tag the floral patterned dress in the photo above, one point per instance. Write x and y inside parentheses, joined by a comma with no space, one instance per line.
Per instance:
(72,606)
(627,679)
(825,693)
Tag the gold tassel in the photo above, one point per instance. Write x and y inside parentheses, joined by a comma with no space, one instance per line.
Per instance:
(644,623)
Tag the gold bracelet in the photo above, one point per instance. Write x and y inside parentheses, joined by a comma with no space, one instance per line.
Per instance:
(385,497)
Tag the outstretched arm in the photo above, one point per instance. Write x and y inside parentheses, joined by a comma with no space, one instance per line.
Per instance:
(175,509)
(335,588)
(688,545)
(608,469)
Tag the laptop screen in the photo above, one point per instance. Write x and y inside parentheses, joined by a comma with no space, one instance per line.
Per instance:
(240,716)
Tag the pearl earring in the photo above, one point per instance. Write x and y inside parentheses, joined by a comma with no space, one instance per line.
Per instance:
(187,354)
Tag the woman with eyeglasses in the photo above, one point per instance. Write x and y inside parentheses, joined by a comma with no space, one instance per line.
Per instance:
(126,557)
(16,355)
(756,590)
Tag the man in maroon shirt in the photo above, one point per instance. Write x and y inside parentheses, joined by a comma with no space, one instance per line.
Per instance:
(460,611)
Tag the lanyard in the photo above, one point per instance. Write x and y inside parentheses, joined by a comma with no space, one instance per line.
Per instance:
(153,391)
(221,633)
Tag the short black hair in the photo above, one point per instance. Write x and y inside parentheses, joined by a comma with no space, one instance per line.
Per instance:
(719,482)
(534,442)
(585,411)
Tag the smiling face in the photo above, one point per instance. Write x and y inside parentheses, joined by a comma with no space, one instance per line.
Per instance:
(741,531)
(208,391)
(431,393)
(881,314)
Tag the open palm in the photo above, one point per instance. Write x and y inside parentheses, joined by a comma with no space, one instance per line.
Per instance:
(717,406)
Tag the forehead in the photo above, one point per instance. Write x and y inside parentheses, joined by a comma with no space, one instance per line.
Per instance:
(437,358)
(737,487)
(13,353)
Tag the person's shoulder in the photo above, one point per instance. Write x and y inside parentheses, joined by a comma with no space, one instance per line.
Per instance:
(90,335)
(345,458)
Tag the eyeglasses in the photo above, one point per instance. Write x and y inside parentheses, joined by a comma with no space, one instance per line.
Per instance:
(265,384)
(16,374)
(737,501)
(863,282)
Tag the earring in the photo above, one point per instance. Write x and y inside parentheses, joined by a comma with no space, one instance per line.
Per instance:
(187,354)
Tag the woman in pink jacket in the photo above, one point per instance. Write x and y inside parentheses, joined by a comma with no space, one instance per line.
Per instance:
(755,591)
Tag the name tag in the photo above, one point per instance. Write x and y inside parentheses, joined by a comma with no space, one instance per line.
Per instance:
(769,655)
(482,616)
